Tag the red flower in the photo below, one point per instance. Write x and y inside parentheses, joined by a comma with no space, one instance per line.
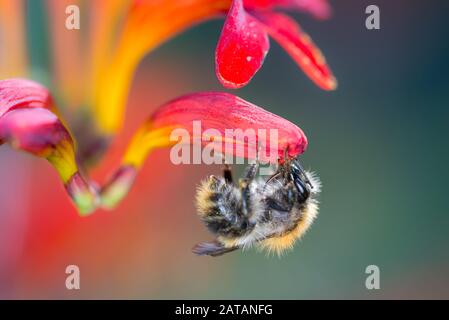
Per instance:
(28,123)
(244,42)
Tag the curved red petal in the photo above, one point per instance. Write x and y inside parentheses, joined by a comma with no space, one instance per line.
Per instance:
(299,46)
(35,130)
(25,119)
(241,49)
(27,123)
(224,111)
(22,93)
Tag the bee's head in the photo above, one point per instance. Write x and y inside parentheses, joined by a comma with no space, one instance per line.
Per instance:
(300,179)
(304,186)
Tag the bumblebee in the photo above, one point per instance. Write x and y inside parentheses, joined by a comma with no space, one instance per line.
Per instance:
(270,213)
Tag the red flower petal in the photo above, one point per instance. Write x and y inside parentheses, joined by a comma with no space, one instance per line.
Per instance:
(241,49)
(25,119)
(35,130)
(28,124)
(299,46)
(22,93)
(223,111)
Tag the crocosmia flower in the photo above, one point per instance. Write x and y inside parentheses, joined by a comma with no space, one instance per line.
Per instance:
(92,70)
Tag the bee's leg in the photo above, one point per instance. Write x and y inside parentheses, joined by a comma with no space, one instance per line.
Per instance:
(227,174)
(213,248)
(244,184)
(251,170)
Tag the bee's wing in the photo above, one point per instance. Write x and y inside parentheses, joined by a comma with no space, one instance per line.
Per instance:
(212,248)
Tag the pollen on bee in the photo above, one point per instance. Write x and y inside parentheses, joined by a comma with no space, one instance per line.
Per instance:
(203,196)
(280,244)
